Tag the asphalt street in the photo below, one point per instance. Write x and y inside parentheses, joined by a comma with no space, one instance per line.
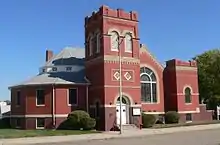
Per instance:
(205,137)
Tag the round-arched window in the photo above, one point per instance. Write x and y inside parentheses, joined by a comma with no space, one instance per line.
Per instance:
(148,85)
(187,92)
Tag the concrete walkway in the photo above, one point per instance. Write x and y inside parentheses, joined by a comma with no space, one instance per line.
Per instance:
(105,135)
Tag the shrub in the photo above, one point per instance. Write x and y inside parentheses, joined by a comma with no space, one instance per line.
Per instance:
(78,120)
(148,120)
(171,117)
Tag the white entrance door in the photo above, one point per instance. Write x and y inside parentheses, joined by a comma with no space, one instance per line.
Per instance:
(123,110)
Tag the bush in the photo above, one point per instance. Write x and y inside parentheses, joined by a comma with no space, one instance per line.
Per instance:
(171,117)
(78,120)
(5,123)
(148,120)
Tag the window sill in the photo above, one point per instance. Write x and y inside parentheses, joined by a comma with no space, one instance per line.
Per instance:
(74,105)
(40,105)
(188,103)
(40,127)
(150,103)
(128,51)
(116,50)
(189,121)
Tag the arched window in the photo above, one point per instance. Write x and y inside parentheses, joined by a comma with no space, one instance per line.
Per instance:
(187,92)
(98,42)
(114,41)
(128,43)
(148,85)
(90,46)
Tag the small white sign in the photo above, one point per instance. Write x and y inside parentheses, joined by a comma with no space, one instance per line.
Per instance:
(218,110)
(136,111)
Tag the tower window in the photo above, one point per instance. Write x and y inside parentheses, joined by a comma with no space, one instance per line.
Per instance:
(128,43)
(98,42)
(114,41)
(90,46)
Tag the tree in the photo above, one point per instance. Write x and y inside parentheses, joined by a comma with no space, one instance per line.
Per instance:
(209,76)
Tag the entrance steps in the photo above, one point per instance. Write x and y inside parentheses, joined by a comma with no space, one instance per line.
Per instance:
(129,127)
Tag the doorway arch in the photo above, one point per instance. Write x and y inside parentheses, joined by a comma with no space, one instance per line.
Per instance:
(124,109)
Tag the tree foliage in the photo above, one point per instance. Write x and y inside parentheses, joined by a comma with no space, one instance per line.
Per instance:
(209,77)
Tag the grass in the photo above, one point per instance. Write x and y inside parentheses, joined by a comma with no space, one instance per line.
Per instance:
(186,124)
(15,133)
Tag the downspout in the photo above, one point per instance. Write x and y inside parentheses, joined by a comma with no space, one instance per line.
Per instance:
(87,98)
(53,107)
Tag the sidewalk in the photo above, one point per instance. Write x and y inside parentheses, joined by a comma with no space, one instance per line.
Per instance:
(105,135)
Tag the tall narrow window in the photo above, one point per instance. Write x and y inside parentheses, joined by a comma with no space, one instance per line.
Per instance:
(128,43)
(90,46)
(72,96)
(114,41)
(97,109)
(98,42)
(18,98)
(40,97)
(148,86)
(187,95)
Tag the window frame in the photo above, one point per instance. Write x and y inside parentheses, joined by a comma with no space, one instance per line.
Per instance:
(68,97)
(18,100)
(130,41)
(190,116)
(98,42)
(54,69)
(36,121)
(91,45)
(68,68)
(151,83)
(16,123)
(37,97)
(118,39)
(188,95)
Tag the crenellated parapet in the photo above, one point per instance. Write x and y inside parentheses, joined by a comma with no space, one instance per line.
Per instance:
(112,13)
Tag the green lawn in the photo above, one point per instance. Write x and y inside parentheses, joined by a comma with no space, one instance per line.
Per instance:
(14,133)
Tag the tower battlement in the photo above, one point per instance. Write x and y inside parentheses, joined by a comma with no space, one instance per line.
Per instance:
(108,12)
(176,62)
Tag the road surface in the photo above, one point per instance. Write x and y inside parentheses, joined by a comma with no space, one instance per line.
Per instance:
(205,137)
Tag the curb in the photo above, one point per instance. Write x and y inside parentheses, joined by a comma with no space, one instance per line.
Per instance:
(105,135)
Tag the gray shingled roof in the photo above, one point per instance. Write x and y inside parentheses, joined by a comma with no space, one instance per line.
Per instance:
(68,56)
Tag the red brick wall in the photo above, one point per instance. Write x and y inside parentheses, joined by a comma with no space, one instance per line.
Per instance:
(147,61)
(178,75)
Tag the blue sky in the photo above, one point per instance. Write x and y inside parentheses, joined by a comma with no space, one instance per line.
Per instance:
(170,28)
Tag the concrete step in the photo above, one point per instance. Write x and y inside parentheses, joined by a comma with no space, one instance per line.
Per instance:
(129,127)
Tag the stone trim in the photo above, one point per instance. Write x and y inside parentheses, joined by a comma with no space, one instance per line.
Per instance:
(39,115)
(187,68)
(193,111)
(114,86)
(182,94)
(125,60)
(113,106)
(116,18)
(113,59)
(154,112)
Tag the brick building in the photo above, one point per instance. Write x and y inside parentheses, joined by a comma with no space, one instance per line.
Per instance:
(88,79)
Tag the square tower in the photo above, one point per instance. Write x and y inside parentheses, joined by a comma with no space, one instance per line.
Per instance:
(110,35)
